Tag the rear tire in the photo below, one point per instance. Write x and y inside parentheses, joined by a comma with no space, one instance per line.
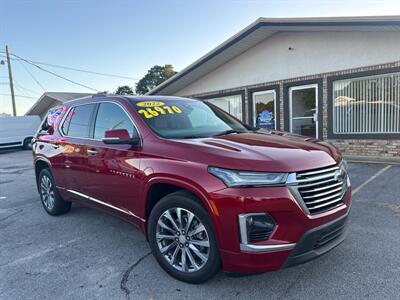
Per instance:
(191,257)
(51,200)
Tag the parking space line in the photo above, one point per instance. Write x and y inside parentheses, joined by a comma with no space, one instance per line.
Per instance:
(380,172)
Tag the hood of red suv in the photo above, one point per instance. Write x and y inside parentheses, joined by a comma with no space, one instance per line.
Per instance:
(262,151)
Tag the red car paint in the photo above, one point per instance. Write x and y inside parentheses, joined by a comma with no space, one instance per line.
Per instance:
(123,175)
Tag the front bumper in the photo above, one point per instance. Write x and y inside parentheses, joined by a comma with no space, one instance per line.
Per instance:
(317,242)
(297,238)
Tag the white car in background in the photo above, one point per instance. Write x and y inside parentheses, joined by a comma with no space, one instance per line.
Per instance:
(18,131)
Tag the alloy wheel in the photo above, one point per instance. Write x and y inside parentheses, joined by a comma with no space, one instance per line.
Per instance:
(47,192)
(182,239)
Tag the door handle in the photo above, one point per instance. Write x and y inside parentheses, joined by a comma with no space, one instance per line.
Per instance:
(315,117)
(92,151)
(55,146)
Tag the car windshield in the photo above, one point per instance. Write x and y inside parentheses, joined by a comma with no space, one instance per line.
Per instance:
(185,119)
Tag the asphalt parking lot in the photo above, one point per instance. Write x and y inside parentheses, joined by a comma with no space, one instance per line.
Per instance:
(87,254)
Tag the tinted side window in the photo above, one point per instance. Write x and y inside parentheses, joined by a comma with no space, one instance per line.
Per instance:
(65,124)
(77,123)
(111,116)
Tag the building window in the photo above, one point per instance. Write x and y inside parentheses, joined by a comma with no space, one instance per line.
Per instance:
(367,105)
(231,104)
(264,109)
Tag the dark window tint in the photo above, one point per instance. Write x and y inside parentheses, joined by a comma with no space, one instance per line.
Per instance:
(77,123)
(110,116)
(65,125)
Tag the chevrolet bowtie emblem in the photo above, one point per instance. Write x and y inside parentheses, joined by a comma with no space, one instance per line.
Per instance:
(339,175)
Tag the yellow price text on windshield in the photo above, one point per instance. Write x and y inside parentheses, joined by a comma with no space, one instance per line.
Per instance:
(151,112)
(150,103)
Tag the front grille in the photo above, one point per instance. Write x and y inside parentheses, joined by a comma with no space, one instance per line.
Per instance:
(321,189)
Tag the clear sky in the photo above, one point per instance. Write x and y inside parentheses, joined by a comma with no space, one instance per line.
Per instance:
(128,37)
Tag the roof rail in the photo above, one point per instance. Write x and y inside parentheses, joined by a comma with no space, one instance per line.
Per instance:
(100,94)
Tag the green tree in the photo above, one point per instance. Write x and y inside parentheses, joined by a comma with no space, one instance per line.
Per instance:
(124,90)
(155,76)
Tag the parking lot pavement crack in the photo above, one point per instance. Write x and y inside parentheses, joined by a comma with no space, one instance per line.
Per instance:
(11,215)
(291,285)
(393,207)
(127,273)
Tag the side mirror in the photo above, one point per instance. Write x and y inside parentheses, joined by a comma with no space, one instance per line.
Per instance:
(47,128)
(119,136)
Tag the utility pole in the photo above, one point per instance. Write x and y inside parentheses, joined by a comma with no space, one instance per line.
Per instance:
(11,82)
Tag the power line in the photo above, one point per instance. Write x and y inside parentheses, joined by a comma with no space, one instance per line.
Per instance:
(55,74)
(24,88)
(84,71)
(33,77)
(20,90)
(79,70)
(22,96)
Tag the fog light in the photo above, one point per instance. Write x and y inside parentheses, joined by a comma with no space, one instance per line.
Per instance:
(255,227)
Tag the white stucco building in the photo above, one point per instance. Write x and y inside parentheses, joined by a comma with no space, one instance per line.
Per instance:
(51,99)
(337,79)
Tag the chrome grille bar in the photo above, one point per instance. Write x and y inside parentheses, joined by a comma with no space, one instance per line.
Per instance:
(321,188)
(325,204)
(323,194)
(315,178)
(318,172)
(324,199)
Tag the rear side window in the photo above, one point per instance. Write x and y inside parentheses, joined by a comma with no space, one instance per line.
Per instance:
(111,116)
(77,122)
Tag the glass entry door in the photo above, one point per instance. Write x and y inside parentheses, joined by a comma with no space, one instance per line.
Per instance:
(303,102)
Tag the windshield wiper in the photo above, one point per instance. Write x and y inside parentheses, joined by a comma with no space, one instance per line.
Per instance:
(230,131)
(218,134)
(193,137)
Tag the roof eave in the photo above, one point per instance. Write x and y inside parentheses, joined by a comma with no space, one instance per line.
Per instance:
(260,22)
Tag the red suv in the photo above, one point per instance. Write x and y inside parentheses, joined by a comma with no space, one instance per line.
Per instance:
(207,190)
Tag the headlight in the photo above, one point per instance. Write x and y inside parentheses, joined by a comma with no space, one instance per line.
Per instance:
(343,165)
(247,178)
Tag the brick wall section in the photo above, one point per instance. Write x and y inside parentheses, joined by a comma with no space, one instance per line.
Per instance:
(388,148)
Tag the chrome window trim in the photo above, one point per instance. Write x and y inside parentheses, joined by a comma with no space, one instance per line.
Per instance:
(104,204)
(97,102)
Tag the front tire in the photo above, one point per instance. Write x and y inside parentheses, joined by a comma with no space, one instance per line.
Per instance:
(51,200)
(182,239)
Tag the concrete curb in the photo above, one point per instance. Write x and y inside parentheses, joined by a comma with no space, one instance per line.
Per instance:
(373,159)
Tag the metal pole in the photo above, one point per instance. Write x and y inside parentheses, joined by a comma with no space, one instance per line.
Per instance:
(11,82)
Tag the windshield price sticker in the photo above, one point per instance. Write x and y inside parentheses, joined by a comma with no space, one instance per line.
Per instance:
(150,103)
(156,111)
